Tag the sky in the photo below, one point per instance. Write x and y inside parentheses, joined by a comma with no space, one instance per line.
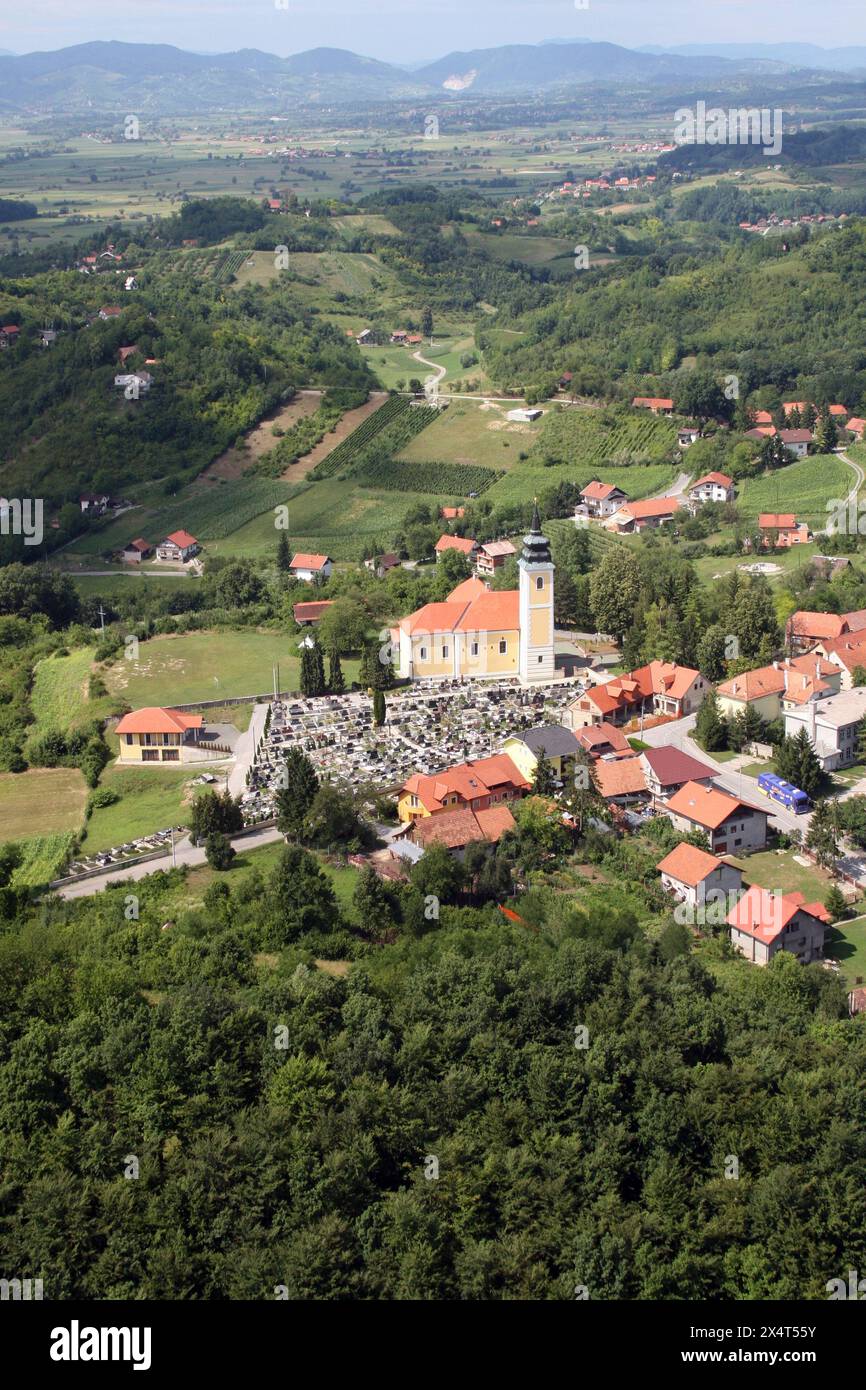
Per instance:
(414,30)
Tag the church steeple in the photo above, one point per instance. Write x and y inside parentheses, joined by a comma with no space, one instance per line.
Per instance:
(536,546)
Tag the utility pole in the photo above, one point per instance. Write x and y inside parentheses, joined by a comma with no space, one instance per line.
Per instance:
(173,855)
(101,617)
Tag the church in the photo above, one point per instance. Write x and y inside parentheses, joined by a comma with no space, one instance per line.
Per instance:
(479,633)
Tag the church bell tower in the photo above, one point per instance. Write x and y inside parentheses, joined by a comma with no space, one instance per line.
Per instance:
(537,662)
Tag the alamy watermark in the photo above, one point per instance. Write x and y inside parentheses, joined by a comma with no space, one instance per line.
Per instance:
(22,517)
(739,126)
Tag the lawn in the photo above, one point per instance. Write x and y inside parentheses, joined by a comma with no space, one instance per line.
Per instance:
(846,943)
(183,668)
(151,799)
(43,801)
(778,872)
(755,769)
(724,756)
(60,697)
(264,860)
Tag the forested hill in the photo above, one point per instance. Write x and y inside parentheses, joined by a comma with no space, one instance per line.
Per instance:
(795,319)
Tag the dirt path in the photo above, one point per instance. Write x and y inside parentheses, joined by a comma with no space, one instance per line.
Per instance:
(349,422)
(260,440)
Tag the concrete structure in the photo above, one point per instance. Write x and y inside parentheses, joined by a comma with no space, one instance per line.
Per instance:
(833,726)
(731,826)
(762,924)
(157,735)
(136,551)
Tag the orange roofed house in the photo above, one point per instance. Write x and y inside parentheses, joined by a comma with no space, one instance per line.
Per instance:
(180,546)
(463,544)
(781,530)
(764,923)
(694,876)
(805,630)
(477,633)
(659,405)
(603,499)
(475,786)
(643,516)
(157,735)
(662,687)
(460,827)
(310,567)
(731,826)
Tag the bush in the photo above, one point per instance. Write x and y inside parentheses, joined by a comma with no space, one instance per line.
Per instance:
(219,852)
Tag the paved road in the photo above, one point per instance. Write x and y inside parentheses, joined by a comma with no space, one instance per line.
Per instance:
(854,494)
(726,775)
(676,488)
(185,853)
(245,748)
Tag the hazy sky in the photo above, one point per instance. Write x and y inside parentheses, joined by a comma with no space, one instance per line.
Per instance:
(408,30)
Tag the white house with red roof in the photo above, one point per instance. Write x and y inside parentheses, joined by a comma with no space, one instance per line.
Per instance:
(731,826)
(156,735)
(668,769)
(764,923)
(603,499)
(644,516)
(661,687)
(712,487)
(135,551)
(659,405)
(463,544)
(697,877)
(307,567)
(179,547)
(9,335)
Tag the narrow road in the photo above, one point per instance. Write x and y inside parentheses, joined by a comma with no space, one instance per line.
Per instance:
(245,749)
(431,387)
(853,495)
(675,489)
(185,853)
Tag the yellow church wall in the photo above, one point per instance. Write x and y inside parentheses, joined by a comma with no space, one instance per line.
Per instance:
(497,662)
(434,663)
(539,627)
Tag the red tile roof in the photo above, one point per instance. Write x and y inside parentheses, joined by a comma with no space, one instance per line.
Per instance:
(311,612)
(654,402)
(155,720)
(721,479)
(765,915)
(182,539)
(625,777)
(672,765)
(302,561)
(689,865)
(468,781)
(599,492)
(461,543)
(707,806)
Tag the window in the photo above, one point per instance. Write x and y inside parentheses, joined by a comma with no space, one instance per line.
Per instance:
(444,653)
(423,653)
(539,583)
(540,659)
(474,649)
(503,647)
(169,755)
(149,755)
(128,738)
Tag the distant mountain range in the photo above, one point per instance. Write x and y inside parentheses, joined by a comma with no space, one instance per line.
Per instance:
(796,55)
(161,79)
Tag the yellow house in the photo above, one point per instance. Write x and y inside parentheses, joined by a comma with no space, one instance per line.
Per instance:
(559,743)
(481,633)
(769,689)
(157,735)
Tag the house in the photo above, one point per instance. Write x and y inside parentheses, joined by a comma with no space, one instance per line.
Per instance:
(712,487)
(477,785)
(452,513)
(687,437)
(762,417)
(125,352)
(833,726)
(365,336)
(662,687)
(459,828)
(493,556)
(400,336)
(567,377)
(796,441)
(666,770)
(643,516)
(464,544)
(657,404)
(136,551)
(382,564)
(558,743)
(309,567)
(47,337)
(731,826)
(130,283)
(695,877)
(110,311)
(768,690)
(179,546)
(157,735)
(856,426)
(94,504)
(9,335)
(782,530)
(763,923)
(622,782)
(805,630)
(134,384)
(848,653)
(604,741)
(525,415)
(306,614)
(603,499)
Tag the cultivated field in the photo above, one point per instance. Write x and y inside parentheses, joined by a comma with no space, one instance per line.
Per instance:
(803,487)
(43,801)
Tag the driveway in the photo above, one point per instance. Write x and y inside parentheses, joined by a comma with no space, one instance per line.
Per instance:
(245,749)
